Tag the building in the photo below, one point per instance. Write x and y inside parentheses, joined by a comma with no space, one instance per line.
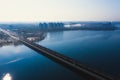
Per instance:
(51,26)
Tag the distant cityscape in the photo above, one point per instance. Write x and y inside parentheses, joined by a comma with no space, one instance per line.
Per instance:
(37,31)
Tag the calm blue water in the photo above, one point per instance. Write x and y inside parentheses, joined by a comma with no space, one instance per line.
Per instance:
(97,49)
(24,64)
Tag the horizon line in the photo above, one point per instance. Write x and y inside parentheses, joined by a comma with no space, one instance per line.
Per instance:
(53,21)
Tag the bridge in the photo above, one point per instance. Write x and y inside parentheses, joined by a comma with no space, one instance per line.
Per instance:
(67,62)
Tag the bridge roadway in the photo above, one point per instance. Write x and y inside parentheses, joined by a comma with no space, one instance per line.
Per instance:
(69,63)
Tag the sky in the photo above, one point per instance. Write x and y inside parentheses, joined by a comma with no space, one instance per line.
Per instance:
(59,10)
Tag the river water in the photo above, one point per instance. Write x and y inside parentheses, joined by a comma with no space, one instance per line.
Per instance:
(98,49)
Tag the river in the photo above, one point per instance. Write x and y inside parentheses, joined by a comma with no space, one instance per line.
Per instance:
(98,49)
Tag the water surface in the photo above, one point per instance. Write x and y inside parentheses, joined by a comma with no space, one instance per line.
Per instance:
(97,49)
(22,63)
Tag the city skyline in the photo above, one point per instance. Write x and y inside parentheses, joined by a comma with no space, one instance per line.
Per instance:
(59,10)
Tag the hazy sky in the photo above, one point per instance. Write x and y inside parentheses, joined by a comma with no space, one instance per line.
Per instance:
(59,10)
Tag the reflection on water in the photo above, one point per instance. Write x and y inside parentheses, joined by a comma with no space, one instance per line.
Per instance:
(55,36)
(98,49)
(25,64)
(68,36)
(94,48)
(7,77)
(10,54)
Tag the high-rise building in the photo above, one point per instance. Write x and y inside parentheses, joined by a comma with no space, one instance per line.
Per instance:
(51,26)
